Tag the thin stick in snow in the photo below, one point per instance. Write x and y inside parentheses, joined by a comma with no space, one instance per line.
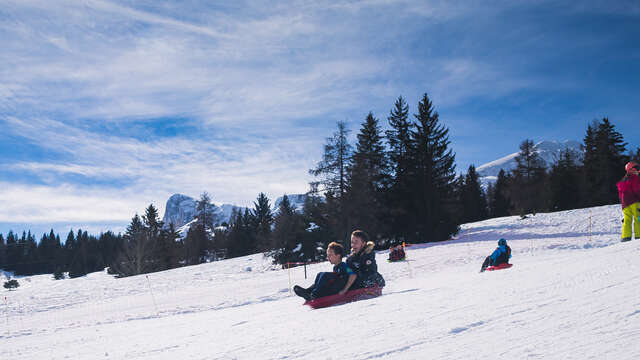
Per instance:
(152,297)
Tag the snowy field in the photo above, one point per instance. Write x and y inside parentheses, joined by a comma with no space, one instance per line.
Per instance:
(573,293)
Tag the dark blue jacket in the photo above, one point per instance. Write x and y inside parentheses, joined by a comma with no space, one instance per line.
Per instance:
(364,265)
(501,255)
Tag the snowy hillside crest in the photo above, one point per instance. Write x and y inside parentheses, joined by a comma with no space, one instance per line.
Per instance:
(571,294)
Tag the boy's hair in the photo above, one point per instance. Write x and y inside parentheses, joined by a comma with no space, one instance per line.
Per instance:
(361,234)
(337,248)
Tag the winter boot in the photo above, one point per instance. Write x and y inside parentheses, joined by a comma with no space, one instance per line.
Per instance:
(625,239)
(485,264)
(302,292)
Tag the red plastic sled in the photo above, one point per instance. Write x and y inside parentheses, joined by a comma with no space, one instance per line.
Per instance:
(499,267)
(349,296)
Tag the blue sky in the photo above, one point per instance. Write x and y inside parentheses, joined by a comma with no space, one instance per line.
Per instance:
(107,106)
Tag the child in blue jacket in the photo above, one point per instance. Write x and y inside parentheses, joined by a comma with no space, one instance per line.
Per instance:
(329,283)
(500,255)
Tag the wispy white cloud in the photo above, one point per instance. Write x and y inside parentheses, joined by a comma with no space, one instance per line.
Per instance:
(260,83)
(153,170)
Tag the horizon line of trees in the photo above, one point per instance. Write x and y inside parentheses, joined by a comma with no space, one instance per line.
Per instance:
(398,185)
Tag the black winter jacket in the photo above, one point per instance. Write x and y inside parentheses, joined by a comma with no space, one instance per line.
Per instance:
(364,265)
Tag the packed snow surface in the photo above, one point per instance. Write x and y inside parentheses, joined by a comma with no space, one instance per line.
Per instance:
(573,293)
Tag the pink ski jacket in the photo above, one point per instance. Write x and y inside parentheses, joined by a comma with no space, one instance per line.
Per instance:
(629,190)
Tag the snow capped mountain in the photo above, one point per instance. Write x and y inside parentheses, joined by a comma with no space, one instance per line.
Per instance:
(549,151)
(181,210)
(296,201)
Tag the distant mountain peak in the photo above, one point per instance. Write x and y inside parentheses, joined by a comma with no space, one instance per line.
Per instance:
(548,150)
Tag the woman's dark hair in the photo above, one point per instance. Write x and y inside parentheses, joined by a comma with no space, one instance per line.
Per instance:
(361,234)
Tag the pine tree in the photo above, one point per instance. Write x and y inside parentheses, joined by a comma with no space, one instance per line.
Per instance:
(205,210)
(433,172)
(197,244)
(499,203)
(3,253)
(474,200)
(368,180)
(333,173)
(153,225)
(288,234)
(263,218)
(608,163)
(168,249)
(399,199)
(14,255)
(134,256)
(565,182)
(527,189)
(318,232)
(241,237)
(79,266)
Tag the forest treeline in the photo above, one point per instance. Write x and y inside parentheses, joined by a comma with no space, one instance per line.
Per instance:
(398,185)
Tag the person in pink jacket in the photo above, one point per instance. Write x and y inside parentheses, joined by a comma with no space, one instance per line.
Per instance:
(629,193)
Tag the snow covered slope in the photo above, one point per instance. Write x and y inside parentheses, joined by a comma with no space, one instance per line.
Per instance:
(573,293)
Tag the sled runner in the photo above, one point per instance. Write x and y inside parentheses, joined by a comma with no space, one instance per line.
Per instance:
(499,267)
(349,296)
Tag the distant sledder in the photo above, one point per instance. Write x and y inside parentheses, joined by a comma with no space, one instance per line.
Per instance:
(367,283)
(629,193)
(499,259)
(396,253)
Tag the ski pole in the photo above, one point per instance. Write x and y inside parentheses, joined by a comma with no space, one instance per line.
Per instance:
(406,258)
(289,271)
(152,296)
(6,310)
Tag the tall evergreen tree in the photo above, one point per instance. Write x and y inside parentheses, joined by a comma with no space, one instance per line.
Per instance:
(263,219)
(474,200)
(80,255)
(527,189)
(14,251)
(153,226)
(3,253)
(368,180)
(399,199)
(604,161)
(433,172)
(241,238)
(565,182)
(135,255)
(205,209)
(318,233)
(169,248)
(197,244)
(288,234)
(499,203)
(333,182)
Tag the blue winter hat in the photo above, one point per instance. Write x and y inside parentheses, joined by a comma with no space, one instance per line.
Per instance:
(502,241)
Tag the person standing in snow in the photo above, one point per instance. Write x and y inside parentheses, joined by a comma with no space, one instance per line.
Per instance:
(329,283)
(500,255)
(363,261)
(629,194)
